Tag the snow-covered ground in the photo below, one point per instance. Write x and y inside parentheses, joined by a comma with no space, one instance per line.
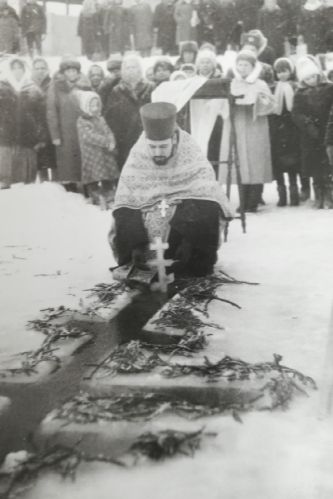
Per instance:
(285,455)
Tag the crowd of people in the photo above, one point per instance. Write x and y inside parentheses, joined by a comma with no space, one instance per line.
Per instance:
(109,26)
(79,128)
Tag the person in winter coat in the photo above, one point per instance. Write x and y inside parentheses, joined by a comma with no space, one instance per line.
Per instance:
(46,156)
(164,25)
(253,103)
(122,111)
(186,18)
(188,52)
(312,104)
(117,27)
(311,26)
(33,24)
(89,28)
(141,27)
(208,26)
(284,133)
(23,132)
(163,70)
(97,144)
(62,114)
(247,13)
(273,23)
(9,29)
(228,30)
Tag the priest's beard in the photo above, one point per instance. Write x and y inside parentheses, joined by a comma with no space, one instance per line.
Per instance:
(161,160)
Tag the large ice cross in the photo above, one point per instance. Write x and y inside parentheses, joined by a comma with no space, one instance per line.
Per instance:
(163,206)
(161,264)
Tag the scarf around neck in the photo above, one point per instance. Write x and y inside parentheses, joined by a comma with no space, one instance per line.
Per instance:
(284,93)
(187,175)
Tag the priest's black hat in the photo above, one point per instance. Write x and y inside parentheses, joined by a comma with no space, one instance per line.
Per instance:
(159,120)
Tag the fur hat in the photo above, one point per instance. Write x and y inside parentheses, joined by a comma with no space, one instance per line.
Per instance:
(305,67)
(69,63)
(283,64)
(159,120)
(188,47)
(256,38)
(114,62)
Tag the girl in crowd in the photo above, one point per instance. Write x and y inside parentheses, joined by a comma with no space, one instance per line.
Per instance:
(97,144)
(312,104)
(254,102)
(22,128)
(284,133)
(62,114)
(187,54)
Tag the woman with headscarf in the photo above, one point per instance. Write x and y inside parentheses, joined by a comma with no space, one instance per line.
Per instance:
(122,111)
(46,156)
(88,28)
(62,114)
(22,130)
(97,144)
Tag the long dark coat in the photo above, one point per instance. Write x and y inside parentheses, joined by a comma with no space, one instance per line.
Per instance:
(310,113)
(141,23)
(33,19)
(312,25)
(46,156)
(122,114)
(89,32)
(165,24)
(274,25)
(226,26)
(62,114)
(183,15)
(7,115)
(208,29)
(9,30)
(247,12)
(117,27)
(286,154)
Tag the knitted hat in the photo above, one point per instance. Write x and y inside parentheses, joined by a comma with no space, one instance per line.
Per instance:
(246,55)
(283,64)
(305,67)
(159,120)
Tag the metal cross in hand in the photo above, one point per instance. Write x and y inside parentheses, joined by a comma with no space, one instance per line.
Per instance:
(163,206)
(161,264)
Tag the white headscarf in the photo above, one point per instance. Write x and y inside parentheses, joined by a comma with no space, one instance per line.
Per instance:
(8,76)
(85,99)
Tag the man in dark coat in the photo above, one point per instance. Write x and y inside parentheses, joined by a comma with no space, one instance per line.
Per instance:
(116,26)
(122,110)
(9,29)
(46,156)
(208,27)
(33,23)
(141,27)
(167,189)
(164,25)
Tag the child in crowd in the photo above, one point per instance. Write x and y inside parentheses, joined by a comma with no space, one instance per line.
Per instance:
(253,103)
(284,133)
(99,168)
(312,103)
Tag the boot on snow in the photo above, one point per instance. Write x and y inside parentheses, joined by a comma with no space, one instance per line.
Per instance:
(319,196)
(282,192)
(294,195)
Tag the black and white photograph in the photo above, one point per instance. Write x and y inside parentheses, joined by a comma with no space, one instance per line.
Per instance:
(166,242)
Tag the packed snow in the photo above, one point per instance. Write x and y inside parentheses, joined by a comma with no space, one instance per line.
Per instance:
(54,246)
